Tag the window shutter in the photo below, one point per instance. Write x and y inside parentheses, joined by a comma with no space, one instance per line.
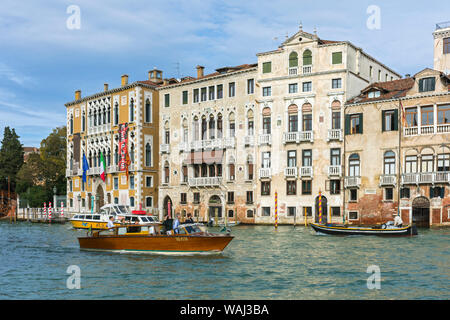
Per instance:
(337,57)
(383,121)
(360,123)
(267,67)
(395,120)
(431,192)
(347,124)
(442,192)
(421,85)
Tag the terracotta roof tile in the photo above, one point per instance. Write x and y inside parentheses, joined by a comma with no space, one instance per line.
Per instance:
(388,90)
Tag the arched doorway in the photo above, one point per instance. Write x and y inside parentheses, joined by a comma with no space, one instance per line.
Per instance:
(215,208)
(324,209)
(421,212)
(101,197)
(166,204)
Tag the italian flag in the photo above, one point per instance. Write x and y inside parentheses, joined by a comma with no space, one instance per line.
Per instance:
(102,167)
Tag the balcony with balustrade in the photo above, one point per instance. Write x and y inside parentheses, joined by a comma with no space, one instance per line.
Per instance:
(306,172)
(249,141)
(183,147)
(99,129)
(426,177)
(265,139)
(334,171)
(388,180)
(297,137)
(165,148)
(205,182)
(265,173)
(335,135)
(307,69)
(352,182)
(291,172)
(426,130)
(293,71)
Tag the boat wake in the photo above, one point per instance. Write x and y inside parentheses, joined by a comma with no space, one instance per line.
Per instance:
(160,253)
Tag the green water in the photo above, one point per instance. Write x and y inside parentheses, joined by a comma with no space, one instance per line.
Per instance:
(260,263)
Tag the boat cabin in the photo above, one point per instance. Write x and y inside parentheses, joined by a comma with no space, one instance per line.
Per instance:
(153,229)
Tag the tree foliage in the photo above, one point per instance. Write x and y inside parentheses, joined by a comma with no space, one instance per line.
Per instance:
(44,171)
(11,158)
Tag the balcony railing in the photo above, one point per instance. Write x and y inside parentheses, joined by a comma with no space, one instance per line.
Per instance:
(297,137)
(265,173)
(183,147)
(307,69)
(334,171)
(265,139)
(205,182)
(291,172)
(220,143)
(306,172)
(293,71)
(352,181)
(165,148)
(335,134)
(425,130)
(249,141)
(99,129)
(426,177)
(230,142)
(388,180)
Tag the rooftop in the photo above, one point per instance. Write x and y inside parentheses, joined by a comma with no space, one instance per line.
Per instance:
(443,25)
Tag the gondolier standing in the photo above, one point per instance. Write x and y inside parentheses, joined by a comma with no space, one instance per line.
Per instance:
(398,222)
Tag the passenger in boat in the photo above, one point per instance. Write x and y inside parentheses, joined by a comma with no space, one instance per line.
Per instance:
(167,224)
(398,222)
(110,223)
(189,219)
(176,223)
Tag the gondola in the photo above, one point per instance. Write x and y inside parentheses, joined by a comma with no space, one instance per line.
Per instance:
(383,230)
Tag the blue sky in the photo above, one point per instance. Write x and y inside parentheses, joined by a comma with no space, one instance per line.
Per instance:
(42,62)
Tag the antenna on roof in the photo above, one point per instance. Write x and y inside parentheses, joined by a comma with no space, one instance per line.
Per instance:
(177,67)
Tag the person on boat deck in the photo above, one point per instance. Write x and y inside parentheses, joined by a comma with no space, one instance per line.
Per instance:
(176,223)
(398,222)
(110,223)
(189,219)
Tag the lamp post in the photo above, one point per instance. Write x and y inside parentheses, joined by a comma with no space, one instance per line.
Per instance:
(97,199)
(79,203)
(54,197)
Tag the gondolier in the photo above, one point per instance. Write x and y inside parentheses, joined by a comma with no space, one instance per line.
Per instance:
(398,222)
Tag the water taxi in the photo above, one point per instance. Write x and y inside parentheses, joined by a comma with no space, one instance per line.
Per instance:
(387,229)
(99,221)
(186,239)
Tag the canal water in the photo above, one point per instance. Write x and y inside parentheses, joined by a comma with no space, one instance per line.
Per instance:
(260,263)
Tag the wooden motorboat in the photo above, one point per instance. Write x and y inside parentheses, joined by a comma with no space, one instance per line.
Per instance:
(99,221)
(347,230)
(189,238)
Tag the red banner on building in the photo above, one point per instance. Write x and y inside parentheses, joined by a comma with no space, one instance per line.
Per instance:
(123,146)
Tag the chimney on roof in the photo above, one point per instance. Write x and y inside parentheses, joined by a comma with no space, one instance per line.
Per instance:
(200,70)
(124,80)
(155,75)
(78,95)
(105,87)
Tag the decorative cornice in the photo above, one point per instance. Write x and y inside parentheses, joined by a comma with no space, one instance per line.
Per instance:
(207,79)
(110,92)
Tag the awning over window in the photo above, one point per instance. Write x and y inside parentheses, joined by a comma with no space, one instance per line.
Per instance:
(208,157)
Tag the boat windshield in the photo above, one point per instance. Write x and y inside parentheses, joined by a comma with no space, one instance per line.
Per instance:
(120,209)
(193,229)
